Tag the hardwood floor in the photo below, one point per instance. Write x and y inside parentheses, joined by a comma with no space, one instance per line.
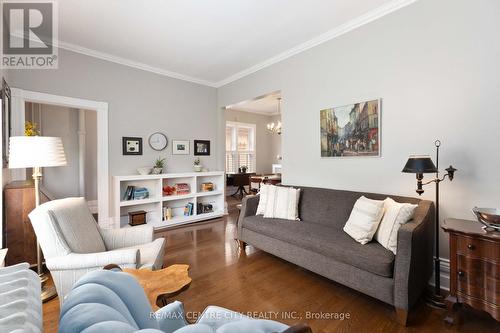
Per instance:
(260,284)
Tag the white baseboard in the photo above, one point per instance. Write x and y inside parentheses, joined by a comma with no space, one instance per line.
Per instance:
(445,274)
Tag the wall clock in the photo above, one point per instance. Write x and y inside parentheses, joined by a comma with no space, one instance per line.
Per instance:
(158,141)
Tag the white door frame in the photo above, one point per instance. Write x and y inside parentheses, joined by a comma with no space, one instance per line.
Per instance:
(19,99)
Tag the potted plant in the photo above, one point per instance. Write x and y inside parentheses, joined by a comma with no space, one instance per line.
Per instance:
(197,165)
(159,165)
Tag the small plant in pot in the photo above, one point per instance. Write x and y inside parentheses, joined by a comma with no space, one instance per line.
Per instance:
(159,165)
(197,165)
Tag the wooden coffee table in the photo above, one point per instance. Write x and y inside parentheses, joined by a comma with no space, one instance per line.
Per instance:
(160,284)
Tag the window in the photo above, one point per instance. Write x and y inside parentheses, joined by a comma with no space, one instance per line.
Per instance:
(240,146)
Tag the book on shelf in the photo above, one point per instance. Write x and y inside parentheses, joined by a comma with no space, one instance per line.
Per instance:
(207,187)
(135,193)
(189,209)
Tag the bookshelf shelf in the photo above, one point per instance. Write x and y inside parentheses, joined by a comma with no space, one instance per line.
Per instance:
(155,204)
(178,197)
(138,202)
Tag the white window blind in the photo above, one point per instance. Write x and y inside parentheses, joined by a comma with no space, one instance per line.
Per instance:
(240,146)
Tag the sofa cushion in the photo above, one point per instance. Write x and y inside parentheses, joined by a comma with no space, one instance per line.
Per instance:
(328,241)
(364,219)
(282,202)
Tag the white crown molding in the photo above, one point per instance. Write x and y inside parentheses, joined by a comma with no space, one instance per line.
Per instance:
(262,113)
(325,37)
(131,63)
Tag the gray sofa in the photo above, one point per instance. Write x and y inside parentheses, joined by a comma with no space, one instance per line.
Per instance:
(319,244)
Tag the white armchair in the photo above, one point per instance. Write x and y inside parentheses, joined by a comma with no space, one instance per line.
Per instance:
(73,243)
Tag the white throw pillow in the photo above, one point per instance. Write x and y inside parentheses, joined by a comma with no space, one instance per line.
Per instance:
(261,208)
(282,203)
(395,215)
(364,219)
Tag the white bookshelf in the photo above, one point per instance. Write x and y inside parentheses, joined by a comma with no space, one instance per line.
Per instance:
(153,205)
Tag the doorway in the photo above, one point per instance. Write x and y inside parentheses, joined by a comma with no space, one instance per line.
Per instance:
(252,143)
(23,98)
(78,130)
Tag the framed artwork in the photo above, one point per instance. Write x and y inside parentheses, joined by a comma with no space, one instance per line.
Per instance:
(6,122)
(351,130)
(158,141)
(201,147)
(180,147)
(131,146)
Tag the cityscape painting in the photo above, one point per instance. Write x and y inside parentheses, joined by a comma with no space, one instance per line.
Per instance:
(351,130)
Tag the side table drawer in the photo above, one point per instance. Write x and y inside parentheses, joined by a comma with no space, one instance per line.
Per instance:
(479,279)
(477,248)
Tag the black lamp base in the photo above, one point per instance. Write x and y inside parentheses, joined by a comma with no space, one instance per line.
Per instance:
(434,300)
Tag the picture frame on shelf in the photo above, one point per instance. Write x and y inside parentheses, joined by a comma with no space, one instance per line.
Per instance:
(202,147)
(131,145)
(180,147)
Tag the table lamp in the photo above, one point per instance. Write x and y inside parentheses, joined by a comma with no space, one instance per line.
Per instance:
(37,152)
(420,164)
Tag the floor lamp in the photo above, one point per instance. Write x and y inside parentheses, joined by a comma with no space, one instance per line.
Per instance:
(37,152)
(420,164)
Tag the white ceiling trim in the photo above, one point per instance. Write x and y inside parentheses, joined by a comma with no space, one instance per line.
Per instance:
(131,63)
(329,35)
(325,37)
(263,113)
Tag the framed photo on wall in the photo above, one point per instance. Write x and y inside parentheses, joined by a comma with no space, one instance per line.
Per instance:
(180,147)
(131,145)
(201,147)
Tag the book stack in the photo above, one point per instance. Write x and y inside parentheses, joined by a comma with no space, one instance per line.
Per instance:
(135,193)
(182,188)
(189,209)
(207,187)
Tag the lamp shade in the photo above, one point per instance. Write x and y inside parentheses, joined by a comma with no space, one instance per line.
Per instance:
(36,151)
(420,164)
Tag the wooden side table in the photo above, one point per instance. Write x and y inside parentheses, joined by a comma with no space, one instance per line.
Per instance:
(474,269)
(161,283)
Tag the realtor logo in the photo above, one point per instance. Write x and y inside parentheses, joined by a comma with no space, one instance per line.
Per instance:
(29,35)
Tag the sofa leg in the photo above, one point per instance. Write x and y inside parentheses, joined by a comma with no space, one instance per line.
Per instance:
(242,245)
(402,316)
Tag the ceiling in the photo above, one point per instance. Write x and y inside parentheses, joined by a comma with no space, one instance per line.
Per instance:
(267,105)
(211,42)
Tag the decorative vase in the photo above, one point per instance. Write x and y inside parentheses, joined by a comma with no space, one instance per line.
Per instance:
(198,168)
(157,171)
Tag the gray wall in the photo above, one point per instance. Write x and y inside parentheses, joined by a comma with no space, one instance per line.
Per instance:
(140,103)
(267,144)
(436,66)
(91,155)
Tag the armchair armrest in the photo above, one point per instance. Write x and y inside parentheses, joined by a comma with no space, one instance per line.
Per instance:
(249,206)
(126,237)
(171,317)
(75,261)
(413,264)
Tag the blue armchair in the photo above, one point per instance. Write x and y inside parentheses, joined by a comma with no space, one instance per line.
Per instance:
(108,301)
